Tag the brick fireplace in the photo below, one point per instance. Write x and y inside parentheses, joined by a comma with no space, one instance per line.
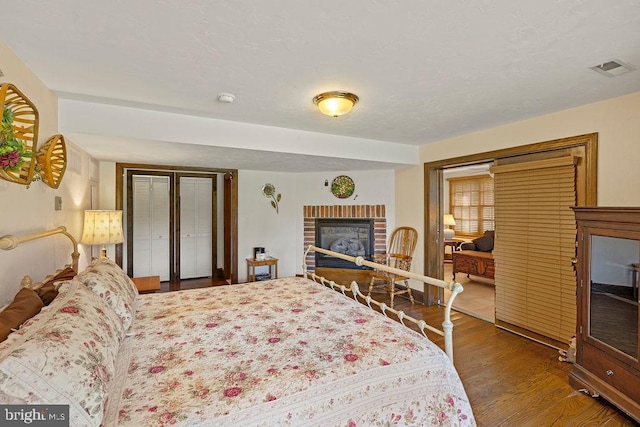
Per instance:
(374,212)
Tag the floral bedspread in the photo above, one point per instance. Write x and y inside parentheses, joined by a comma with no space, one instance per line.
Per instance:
(285,352)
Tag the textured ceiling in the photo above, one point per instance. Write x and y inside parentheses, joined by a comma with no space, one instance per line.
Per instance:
(424,69)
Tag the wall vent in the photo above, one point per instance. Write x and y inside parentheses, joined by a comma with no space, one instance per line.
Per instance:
(613,68)
(74,160)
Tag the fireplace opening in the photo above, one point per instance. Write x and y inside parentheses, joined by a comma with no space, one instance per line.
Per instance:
(349,236)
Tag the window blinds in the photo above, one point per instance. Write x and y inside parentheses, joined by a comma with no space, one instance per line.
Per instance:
(535,241)
(471,203)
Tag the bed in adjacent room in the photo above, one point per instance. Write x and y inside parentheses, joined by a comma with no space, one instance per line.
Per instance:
(287,351)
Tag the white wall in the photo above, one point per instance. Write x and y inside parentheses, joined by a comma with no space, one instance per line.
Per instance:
(135,124)
(615,121)
(26,211)
(260,225)
(410,212)
(107,199)
(282,234)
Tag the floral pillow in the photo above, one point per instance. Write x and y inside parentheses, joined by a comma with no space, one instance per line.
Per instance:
(64,355)
(105,278)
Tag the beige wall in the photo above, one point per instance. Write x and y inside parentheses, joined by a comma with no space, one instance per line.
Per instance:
(24,211)
(617,122)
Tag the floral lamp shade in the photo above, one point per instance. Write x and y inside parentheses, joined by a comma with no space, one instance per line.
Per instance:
(102,228)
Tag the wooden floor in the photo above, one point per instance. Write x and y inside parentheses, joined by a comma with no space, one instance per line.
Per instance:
(478,298)
(191,284)
(510,380)
(513,381)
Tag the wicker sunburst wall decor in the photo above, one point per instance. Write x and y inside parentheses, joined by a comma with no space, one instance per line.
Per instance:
(18,135)
(52,161)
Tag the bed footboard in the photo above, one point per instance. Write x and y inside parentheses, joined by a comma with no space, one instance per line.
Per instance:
(447,325)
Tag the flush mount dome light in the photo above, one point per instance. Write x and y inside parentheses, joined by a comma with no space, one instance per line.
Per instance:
(335,103)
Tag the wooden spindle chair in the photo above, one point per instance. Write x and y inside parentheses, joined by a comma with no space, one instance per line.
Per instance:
(399,255)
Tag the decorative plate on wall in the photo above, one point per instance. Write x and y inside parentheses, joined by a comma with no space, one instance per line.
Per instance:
(342,186)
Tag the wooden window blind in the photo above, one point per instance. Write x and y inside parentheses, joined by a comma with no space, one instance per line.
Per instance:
(535,242)
(471,204)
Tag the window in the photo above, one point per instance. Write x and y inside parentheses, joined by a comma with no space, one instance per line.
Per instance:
(471,203)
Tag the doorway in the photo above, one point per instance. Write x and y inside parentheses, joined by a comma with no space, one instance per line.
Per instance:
(212,241)
(584,146)
(171,218)
(468,199)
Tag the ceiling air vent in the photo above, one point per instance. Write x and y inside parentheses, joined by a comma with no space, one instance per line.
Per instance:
(613,68)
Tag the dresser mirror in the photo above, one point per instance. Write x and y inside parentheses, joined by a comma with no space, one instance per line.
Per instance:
(613,305)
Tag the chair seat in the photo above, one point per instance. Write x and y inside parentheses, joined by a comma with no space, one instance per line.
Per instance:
(387,276)
(397,288)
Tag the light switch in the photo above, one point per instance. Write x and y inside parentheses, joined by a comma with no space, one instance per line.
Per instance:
(58,203)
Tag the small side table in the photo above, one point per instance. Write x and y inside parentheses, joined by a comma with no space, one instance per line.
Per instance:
(454,244)
(252,263)
(147,284)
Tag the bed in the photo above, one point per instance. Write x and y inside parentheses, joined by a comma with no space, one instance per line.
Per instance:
(293,351)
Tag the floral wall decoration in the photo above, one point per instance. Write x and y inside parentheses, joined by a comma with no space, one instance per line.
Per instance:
(342,187)
(18,136)
(269,190)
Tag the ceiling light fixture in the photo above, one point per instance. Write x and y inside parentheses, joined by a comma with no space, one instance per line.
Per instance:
(335,103)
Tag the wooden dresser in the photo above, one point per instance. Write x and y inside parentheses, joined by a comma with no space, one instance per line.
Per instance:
(607,359)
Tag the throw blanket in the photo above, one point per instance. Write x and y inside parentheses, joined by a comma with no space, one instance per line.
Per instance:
(286,352)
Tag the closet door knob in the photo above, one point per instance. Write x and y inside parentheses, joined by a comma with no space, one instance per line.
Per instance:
(609,373)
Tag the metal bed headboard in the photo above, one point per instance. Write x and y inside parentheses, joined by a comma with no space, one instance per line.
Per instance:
(9,242)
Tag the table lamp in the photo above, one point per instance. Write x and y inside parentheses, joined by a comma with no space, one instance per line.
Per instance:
(102,228)
(449,232)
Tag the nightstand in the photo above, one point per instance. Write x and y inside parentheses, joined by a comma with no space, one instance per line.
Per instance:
(253,263)
(147,284)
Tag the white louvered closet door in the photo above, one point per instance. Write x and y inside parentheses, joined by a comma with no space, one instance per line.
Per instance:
(151,226)
(196,227)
